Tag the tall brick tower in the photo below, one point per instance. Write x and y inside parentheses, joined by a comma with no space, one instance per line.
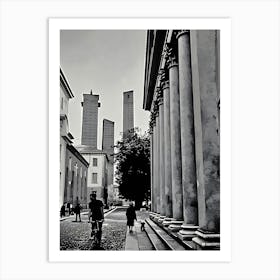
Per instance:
(108,138)
(90,120)
(108,147)
(128,120)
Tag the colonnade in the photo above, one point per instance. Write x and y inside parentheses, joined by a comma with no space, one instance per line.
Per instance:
(184,131)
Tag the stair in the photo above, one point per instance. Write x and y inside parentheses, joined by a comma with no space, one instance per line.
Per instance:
(156,241)
(162,238)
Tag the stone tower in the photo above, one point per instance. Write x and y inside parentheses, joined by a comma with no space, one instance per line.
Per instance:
(108,138)
(90,120)
(108,147)
(128,120)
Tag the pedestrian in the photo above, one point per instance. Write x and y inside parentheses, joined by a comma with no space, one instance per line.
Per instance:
(131,216)
(78,211)
(69,206)
(62,211)
(96,216)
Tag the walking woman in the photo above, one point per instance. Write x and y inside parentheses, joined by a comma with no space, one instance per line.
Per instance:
(131,216)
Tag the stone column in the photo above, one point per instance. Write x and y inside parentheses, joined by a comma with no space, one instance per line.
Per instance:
(151,166)
(167,149)
(154,162)
(204,44)
(190,205)
(157,159)
(161,156)
(175,139)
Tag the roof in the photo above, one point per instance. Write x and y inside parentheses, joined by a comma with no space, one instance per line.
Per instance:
(73,150)
(84,149)
(154,46)
(65,84)
(106,120)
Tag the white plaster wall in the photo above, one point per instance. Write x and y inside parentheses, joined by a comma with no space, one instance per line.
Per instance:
(62,170)
(99,169)
(65,98)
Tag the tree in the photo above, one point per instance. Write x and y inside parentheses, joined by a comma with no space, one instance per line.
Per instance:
(133,167)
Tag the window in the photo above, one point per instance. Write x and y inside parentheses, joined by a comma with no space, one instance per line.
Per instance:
(94,178)
(94,162)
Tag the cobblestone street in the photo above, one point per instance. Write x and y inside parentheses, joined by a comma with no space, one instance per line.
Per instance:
(75,235)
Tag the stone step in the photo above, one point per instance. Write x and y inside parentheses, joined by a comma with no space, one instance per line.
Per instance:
(144,242)
(157,243)
(189,245)
(169,241)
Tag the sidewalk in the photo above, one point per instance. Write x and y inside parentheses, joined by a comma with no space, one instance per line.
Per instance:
(137,240)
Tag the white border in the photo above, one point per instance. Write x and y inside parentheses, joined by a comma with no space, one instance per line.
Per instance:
(224,255)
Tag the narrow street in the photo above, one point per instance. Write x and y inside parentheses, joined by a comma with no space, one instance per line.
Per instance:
(75,235)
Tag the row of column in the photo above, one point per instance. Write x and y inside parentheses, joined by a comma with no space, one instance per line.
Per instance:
(173,146)
(75,187)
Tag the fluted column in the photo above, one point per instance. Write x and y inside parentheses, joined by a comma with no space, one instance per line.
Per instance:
(161,156)
(167,148)
(155,164)
(157,159)
(205,64)
(151,165)
(175,138)
(190,205)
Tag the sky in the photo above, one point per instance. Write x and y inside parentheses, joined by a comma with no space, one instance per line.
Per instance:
(109,62)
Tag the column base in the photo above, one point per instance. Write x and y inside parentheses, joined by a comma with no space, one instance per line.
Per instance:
(175,225)
(187,232)
(157,217)
(167,221)
(206,240)
(153,215)
(161,219)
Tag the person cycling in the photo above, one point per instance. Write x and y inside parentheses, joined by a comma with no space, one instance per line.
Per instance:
(96,215)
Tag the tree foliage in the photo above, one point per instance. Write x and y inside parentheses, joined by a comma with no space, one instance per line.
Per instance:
(133,167)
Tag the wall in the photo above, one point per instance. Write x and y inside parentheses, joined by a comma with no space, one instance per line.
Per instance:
(75,182)
(100,170)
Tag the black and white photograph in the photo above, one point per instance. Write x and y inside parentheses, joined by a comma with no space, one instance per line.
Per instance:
(140,140)
(164,162)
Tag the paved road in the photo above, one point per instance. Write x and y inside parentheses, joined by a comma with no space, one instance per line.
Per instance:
(75,235)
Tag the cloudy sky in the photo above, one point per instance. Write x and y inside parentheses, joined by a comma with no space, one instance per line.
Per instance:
(108,62)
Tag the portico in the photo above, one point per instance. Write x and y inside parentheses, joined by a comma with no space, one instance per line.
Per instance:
(182,94)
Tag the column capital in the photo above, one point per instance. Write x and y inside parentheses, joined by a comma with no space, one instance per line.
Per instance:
(151,127)
(164,78)
(153,118)
(179,33)
(159,95)
(172,58)
(155,109)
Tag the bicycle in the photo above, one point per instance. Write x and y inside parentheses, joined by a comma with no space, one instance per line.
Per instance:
(96,232)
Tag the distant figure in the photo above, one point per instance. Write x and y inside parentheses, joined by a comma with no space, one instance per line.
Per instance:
(62,211)
(142,225)
(69,208)
(78,211)
(131,216)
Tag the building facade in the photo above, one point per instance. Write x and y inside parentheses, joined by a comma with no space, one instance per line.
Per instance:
(73,167)
(97,171)
(76,175)
(65,136)
(182,93)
